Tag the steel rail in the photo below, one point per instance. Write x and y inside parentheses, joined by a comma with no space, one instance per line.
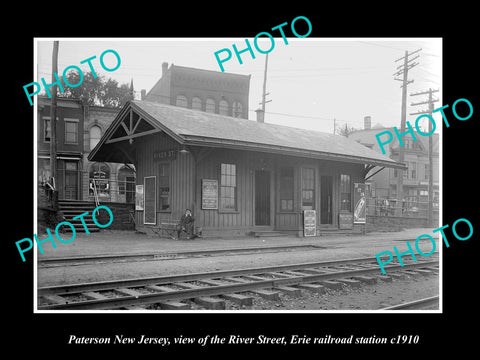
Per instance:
(135,282)
(143,299)
(416,304)
(160,255)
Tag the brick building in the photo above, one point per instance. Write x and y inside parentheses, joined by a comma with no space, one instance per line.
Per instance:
(69,135)
(204,90)
(114,182)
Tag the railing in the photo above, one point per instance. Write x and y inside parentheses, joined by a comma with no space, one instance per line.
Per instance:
(81,185)
(392,207)
(95,193)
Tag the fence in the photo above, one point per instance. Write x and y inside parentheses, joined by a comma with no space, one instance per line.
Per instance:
(82,185)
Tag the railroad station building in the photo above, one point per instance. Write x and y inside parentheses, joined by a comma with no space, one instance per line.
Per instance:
(238,176)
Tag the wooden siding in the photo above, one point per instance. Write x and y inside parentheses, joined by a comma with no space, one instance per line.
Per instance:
(188,170)
(209,168)
(181,175)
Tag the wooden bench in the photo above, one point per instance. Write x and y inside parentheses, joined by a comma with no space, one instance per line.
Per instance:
(170,229)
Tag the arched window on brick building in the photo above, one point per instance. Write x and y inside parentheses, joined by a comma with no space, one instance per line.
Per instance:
(223,107)
(237,109)
(210,106)
(181,101)
(196,103)
(95,135)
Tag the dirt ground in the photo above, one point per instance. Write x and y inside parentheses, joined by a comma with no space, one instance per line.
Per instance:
(366,297)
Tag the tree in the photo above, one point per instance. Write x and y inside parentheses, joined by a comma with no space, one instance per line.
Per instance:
(98,91)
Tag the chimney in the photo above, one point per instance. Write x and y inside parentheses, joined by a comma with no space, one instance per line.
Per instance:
(367,122)
(143,94)
(164,68)
(260,115)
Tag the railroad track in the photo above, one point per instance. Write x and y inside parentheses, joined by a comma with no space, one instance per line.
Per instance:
(425,303)
(168,292)
(167,255)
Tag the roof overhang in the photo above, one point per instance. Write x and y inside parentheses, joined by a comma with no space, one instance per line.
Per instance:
(132,122)
(245,145)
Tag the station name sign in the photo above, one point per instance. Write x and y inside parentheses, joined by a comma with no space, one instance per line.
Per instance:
(165,154)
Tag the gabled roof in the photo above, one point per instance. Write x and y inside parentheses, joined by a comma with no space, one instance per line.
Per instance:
(198,128)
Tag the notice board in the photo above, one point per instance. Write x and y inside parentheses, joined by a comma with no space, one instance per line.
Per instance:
(139,197)
(209,194)
(309,223)
(345,221)
(150,200)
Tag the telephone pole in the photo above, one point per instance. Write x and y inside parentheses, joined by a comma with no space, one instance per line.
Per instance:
(53,120)
(403,69)
(264,94)
(428,111)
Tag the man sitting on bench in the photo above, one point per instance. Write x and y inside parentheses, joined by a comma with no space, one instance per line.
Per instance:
(186,224)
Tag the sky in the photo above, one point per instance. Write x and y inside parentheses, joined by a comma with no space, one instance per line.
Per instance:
(310,81)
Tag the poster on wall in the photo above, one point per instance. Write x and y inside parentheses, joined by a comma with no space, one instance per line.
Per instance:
(209,194)
(309,223)
(139,197)
(360,194)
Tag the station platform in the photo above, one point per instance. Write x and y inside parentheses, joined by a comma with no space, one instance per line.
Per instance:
(118,242)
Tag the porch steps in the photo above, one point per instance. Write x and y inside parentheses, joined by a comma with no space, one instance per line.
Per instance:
(72,208)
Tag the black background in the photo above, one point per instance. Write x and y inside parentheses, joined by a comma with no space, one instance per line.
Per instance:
(49,333)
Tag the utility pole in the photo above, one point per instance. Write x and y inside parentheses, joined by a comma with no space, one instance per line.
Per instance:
(53,121)
(264,94)
(429,111)
(334,126)
(403,69)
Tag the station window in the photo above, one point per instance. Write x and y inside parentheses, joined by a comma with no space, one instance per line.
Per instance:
(345,193)
(228,187)
(286,189)
(164,186)
(308,188)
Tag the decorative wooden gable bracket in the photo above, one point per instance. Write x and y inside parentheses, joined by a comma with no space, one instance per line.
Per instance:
(131,126)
